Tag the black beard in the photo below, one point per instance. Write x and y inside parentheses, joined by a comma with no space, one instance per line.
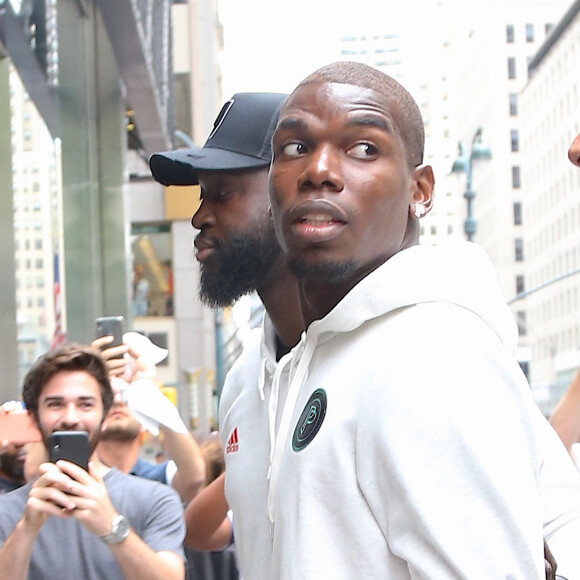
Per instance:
(243,264)
(324,272)
(11,467)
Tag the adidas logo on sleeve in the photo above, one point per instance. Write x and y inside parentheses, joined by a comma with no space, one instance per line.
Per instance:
(233,444)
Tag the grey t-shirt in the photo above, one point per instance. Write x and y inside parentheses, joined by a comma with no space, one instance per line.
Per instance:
(65,549)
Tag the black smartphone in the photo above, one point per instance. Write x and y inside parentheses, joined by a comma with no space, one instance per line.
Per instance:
(70,445)
(111,326)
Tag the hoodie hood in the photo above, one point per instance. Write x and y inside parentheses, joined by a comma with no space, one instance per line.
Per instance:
(456,272)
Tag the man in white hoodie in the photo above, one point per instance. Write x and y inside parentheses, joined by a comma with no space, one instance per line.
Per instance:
(403,438)
(238,253)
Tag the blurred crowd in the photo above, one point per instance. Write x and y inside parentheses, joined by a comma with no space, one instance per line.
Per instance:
(186,461)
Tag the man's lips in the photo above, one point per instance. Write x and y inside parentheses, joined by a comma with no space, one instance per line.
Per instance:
(203,248)
(117,413)
(317,220)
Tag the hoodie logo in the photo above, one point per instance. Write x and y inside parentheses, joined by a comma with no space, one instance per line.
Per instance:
(310,420)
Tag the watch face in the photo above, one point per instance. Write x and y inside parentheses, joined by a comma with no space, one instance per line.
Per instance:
(120,530)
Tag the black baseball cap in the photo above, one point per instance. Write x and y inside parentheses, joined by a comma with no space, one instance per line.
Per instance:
(240,139)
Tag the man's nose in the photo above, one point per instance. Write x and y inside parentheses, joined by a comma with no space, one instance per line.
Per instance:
(71,417)
(323,169)
(203,216)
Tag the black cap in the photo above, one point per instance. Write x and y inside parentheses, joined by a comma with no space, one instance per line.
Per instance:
(240,139)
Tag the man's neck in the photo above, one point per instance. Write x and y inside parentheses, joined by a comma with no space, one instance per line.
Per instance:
(319,296)
(281,300)
(119,454)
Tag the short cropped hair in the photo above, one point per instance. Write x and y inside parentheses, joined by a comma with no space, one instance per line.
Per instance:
(69,357)
(412,128)
(213,454)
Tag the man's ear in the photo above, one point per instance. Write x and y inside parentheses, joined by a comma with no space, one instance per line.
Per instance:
(422,186)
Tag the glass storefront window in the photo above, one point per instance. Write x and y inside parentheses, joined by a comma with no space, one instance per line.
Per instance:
(152,288)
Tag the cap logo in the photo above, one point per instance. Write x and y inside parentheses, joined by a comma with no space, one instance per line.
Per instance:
(220,118)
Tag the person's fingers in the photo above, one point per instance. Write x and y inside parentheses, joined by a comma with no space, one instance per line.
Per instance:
(114,352)
(102,341)
(54,497)
(11,407)
(109,353)
(117,366)
(74,472)
(47,466)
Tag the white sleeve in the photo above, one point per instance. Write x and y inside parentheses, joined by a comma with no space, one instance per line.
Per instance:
(446,457)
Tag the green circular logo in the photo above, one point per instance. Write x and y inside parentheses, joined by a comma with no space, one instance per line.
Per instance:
(310,420)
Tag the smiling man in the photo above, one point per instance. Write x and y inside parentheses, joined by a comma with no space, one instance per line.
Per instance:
(403,435)
(70,523)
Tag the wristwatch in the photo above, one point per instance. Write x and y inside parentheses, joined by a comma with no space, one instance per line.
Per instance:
(120,530)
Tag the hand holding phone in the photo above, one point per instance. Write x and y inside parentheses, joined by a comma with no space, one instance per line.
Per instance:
(110,326)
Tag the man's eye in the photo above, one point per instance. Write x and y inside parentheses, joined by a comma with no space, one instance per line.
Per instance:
(363,151)
(54,404)
(294,149)
(216,195)
(87,405)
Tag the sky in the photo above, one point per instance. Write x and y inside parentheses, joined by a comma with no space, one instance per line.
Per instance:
(270,45)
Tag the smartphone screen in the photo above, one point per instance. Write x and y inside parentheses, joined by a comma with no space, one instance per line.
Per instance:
(70,445)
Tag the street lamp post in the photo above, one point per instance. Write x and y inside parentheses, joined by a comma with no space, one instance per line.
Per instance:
(464,164)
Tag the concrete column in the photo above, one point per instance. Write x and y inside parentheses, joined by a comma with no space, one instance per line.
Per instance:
(95,220)
(9,385)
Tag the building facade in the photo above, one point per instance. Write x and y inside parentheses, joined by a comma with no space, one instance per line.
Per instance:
(87,93)
(550,119)
(491,66)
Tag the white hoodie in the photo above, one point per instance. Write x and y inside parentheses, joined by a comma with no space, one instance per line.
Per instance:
(404,441)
